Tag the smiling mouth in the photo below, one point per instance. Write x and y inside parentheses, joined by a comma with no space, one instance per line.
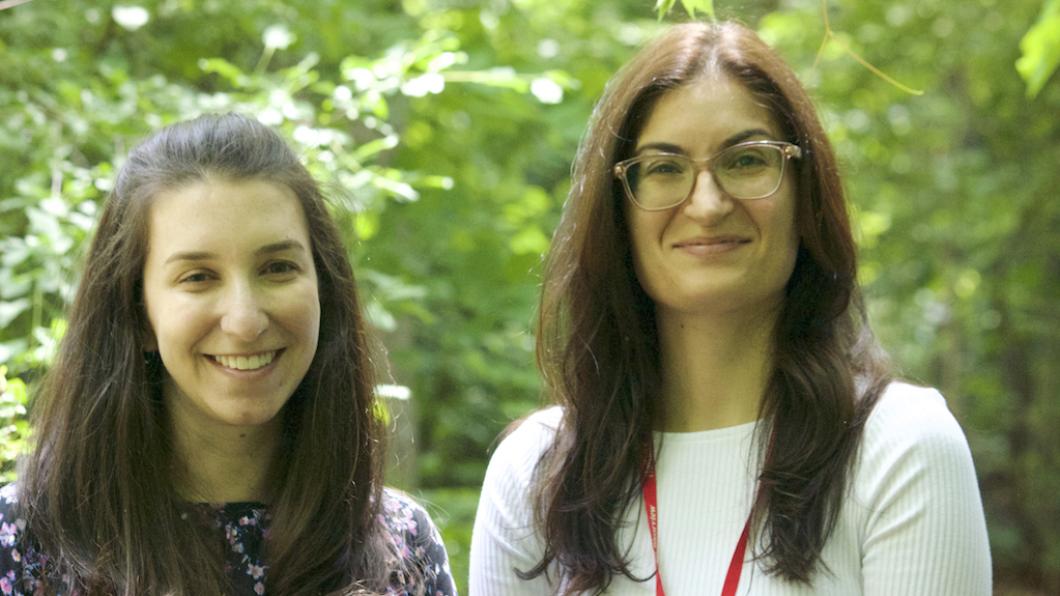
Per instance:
(248,362)
(710,241)
(706,243)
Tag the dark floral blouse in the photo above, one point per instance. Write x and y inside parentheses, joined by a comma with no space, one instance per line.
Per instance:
(243,526)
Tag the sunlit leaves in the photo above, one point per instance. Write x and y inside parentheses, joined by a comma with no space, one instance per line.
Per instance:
(1040,48)
(14,429)
(663,7)
(130,17)
(277,37)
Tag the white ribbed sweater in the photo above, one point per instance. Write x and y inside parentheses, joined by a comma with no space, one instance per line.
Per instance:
(912,524)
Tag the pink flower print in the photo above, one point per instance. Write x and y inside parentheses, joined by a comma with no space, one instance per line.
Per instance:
(7,533)
(255,571)
(259,588)
(402,547)
(5,585)
(406,523)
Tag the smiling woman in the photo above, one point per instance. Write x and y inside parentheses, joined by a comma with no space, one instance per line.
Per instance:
(234,317)
(725,421)
(208,426)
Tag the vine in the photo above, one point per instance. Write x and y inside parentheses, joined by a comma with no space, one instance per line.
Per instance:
(829,35)
(663,7)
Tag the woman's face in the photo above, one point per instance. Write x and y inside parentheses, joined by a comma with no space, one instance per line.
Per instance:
(231,296)
(713,253)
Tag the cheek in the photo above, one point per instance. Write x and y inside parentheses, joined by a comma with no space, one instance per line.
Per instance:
(776,221)
(168,322)
(176,333)
(302,313)
(646,231)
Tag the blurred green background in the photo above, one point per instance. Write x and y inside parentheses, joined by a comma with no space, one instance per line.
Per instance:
(444,132)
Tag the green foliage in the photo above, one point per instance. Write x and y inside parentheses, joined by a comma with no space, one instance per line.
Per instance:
(1041,48)
(663,7)
(14,429)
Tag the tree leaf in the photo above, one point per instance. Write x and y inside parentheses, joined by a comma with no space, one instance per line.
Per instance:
(691,6)
(1041,49)
(663,7)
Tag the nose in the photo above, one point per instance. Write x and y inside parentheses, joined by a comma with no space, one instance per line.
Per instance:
(244,316)
(707,202)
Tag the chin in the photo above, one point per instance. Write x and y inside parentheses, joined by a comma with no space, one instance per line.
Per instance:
(721,302)
(250,417)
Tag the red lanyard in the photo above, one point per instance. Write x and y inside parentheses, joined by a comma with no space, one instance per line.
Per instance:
(651,505)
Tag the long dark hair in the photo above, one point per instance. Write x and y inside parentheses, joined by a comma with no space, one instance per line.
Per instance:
(598,350)
(98,489)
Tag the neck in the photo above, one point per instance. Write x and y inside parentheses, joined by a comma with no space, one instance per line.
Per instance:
(222,464)
(715,370)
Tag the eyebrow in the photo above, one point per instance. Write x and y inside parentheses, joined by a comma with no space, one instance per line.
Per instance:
(268,249)
(729,142)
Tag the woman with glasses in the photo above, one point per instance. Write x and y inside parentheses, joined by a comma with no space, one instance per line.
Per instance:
(725,420)
(209,424)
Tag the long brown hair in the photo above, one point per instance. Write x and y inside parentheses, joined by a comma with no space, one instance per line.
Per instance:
(98,489)
(598,350)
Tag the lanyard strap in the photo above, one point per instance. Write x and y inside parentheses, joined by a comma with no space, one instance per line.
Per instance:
(651,506)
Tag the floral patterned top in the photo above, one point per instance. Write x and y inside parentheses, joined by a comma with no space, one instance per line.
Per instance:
(243,527)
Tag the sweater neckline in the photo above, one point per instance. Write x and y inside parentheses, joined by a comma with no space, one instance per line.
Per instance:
(738,431)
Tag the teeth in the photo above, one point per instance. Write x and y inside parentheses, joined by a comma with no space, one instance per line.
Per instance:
(252,362)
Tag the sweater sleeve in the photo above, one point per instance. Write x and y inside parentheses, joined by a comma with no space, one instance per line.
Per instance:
(432,558)
(924,528)
(420,545)
(504,538)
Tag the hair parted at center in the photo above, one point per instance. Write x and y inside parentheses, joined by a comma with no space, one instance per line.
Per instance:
(598,351)
(98,491)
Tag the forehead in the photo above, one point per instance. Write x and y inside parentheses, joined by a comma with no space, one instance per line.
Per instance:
(702,115)
(221,215)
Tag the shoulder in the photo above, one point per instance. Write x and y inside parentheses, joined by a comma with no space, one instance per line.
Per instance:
(538,426)
(8,496)
(913,440)
(505,536)
(416,540)
(12,524)
(512,466)
(916,500)
(402,516)
(908,416)
(525,443)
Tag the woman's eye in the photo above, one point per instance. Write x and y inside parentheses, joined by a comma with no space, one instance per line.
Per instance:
(196,277)
(746,159)
(664,167)
(280,268)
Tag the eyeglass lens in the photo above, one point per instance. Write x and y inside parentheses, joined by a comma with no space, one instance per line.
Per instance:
(742,172)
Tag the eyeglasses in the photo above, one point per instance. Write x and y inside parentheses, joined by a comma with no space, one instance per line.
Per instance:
(745,171)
